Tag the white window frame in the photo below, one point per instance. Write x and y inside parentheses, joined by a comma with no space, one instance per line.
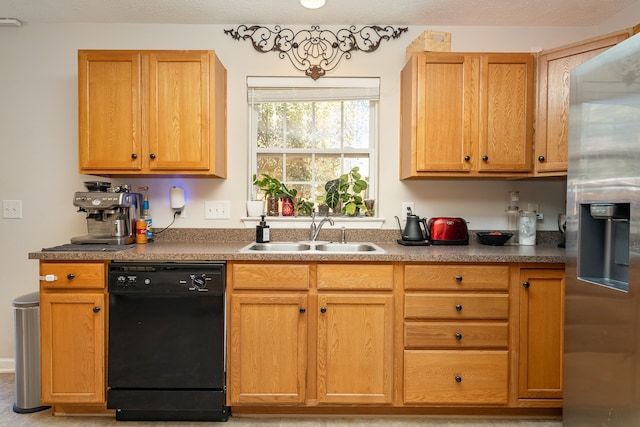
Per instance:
(274,89)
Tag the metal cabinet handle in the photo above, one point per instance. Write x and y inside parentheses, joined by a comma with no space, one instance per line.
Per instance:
(467,158)
(96,309)
(458,307)
(458,336)
(323,309)
(71,276)
(303,310)
(458,378)
(153,156)
(526,285)
(458,279)
(541,158)
(134,156)
(485,158)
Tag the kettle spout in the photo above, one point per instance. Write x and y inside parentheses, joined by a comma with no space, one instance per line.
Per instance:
(399,225)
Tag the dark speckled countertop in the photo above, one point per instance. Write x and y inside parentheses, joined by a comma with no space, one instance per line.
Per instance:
(225,244)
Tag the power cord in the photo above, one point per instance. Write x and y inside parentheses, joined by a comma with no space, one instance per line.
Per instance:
(175,215)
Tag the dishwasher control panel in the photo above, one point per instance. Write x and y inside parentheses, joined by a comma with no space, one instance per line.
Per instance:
(167,278)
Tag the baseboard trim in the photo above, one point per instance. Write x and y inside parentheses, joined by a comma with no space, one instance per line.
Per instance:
(7,366)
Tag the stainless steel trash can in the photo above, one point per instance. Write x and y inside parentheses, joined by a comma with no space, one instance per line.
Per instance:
(26,311)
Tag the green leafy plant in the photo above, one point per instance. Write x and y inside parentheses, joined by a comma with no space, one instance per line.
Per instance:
(270,186)
(304,207)
(346,189)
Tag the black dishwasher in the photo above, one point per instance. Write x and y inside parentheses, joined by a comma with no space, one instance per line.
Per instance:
(166,357)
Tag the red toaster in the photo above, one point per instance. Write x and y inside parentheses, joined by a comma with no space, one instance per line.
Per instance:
(448,231)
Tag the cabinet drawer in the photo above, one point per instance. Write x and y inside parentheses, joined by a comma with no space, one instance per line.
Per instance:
(270,276)
(443,377)
(73,275)
(456,334)
(355,276)
(456,306)
(456,277)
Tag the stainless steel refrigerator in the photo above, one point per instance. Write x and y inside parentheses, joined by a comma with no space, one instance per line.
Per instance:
(602,298)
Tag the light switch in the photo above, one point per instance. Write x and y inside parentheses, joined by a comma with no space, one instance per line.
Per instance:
(12,209)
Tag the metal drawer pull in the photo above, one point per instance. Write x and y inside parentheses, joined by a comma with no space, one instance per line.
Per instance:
(303,310)
(323,310)
(96,309)
(458,307)
(526,285)
(458,336)
(71,276)
(458,379)
(458,279)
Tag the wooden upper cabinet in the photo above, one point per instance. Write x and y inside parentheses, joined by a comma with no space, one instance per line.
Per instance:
(110,111)
(152,112)
(507,101)
(552,129)
(467,114)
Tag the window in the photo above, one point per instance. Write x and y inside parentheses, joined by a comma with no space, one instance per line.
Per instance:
(307,132)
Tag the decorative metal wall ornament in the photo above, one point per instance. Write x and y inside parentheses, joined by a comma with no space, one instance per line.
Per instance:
(315,51)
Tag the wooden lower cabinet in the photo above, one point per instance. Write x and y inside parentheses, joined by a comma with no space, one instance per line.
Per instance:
(290,344)
(456,334)
(472,377)
(355,349)
(73,333)
(268,349)
(541,334)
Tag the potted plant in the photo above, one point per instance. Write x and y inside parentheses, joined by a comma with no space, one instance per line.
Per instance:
(346,189)
(272,188)
(304,207)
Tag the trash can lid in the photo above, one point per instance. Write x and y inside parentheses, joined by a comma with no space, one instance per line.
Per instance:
(27,300)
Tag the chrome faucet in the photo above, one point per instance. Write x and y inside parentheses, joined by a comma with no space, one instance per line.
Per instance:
(313,232)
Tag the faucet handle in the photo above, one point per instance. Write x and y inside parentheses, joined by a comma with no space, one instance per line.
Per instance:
(343,236)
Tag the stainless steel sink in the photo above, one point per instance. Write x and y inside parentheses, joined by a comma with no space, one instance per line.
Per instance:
(278,247)
(349,247)
(314,247)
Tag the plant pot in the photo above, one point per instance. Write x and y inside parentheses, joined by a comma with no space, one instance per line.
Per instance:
(323,210)
(287,207)
(272,206)
(255,208)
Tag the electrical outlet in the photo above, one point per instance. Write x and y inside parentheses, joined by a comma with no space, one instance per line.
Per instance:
(217,209)
(405,209)
(183,213)
(12,209)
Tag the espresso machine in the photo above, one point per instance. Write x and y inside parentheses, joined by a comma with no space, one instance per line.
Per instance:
(112,213)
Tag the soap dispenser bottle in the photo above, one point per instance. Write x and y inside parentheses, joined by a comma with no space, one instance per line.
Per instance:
(262,231)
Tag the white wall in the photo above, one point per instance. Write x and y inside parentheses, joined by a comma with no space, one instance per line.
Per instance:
(38,138)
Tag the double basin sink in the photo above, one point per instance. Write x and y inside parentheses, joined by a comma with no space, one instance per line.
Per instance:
(314,247)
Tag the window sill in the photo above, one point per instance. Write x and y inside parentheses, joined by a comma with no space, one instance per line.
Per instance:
(305,222)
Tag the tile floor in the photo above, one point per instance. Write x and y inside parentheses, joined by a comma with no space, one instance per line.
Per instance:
(42,419)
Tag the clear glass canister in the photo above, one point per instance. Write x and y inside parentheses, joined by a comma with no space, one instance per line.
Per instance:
(513,217)
(527,228)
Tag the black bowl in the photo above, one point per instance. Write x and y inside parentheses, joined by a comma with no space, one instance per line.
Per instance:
(493,238)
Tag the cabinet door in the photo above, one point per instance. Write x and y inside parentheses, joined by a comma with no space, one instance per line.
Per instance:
(505,136)
(110,114)
(447,111)
(267,349)
(179,113)
(541,333)
(554,68)
(72,347)
(355,348)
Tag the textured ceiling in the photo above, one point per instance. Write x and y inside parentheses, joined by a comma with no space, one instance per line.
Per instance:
(398,12)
